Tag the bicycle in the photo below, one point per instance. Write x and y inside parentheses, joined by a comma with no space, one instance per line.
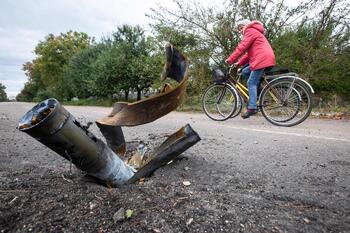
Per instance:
(284,100)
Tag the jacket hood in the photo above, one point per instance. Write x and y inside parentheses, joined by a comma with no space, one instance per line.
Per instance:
(257,25)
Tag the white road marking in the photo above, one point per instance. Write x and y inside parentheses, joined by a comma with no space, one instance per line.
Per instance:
(286,133)
(224,125)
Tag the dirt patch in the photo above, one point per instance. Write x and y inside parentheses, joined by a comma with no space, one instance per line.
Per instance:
(331,115)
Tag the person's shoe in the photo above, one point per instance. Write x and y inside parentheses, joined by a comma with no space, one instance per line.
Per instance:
(249,112)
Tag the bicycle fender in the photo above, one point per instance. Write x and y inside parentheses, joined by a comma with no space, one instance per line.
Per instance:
(293,77)
(233,88)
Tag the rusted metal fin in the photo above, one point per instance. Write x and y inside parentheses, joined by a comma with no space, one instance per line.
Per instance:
(167,151)
(114,137)
(150,109)
(175,66)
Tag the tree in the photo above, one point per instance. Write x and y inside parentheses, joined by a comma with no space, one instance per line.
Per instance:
(53,56)
(78,73)
(129,63)
(34,89)
(319,48)
(312,38)
(108,70)
(142,62)
(214,28)
(3,96)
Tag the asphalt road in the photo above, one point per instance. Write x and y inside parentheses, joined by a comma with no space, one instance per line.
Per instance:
(305,168)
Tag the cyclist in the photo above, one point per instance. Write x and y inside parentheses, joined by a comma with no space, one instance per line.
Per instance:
(256,55)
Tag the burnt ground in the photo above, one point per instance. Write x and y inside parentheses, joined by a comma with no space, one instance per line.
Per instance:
(246,176)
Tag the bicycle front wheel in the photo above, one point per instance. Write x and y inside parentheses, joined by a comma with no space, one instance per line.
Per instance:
(239,107)
(219,102)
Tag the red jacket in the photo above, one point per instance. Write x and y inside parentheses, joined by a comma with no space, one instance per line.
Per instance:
(255,47)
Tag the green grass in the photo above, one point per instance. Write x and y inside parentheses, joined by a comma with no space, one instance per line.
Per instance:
(337,109)
(191,104)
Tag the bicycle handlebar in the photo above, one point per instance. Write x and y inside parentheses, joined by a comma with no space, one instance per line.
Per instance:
(232,66)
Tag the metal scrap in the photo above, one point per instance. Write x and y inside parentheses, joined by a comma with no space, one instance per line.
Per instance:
(51,124)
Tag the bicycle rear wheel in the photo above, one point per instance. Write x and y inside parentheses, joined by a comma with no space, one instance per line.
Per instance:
(286,102)
(219,102)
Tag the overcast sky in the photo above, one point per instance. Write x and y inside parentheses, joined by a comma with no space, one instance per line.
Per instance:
(23,23)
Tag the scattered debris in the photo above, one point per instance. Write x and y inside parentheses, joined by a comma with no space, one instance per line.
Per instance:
(172,147)
(68,180)
(99,198)
(129,213)
(136,160)
(170,162)
(189,221)
(141,149)
(119,215)
(142,181)
(179,200)
(13,200)
(306,220)
(92,205)
(186,183)
(276,228)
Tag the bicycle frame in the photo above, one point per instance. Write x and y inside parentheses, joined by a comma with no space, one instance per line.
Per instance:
(242,89)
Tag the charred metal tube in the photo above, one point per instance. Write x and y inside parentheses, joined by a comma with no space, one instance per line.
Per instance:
(167,151)
(52,125)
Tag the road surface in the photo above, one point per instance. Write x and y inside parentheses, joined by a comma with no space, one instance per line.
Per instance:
(245,175)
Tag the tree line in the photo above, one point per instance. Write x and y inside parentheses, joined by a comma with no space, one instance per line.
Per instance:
(3,95)
(72,64)
(312,39)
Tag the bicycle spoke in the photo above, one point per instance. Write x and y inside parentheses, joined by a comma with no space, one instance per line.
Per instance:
(219,102)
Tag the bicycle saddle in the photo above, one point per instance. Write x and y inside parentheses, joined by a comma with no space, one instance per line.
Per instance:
(275,70)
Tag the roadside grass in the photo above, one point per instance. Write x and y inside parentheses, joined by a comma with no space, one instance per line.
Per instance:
(336,109)
(193,104)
